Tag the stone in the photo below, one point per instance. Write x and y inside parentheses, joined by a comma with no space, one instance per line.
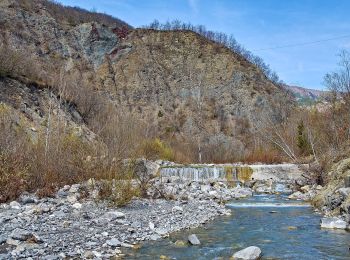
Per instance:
(3,239)
(113,215)
(193,239)
(127,245)
(74,188)
(333,223)
(177,208)
(89,255)
(25,235)
(249,253)
(305,188)
(297,196)
(20,234)
(154,237)
(180,243)
(15,205)
(162,231)
(344,191)
(77,205)
(113,242)
(72,198)
(292,228)
(26,199)
(151,225)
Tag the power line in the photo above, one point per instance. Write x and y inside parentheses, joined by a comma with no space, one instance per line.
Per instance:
(302,44)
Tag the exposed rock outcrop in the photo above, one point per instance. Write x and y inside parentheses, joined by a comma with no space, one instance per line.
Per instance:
(159,75)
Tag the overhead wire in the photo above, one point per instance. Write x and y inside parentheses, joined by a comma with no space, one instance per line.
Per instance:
(302,44)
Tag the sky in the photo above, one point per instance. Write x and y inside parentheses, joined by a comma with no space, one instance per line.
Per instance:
(261,26)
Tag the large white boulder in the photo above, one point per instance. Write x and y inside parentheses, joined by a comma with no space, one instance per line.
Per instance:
(249,253)
(333,223)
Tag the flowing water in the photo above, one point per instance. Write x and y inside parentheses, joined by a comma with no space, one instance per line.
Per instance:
(283,229)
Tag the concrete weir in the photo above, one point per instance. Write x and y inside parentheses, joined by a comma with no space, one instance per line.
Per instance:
(233,172)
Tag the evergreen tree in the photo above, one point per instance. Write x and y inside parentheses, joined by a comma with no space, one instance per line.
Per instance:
(302,141)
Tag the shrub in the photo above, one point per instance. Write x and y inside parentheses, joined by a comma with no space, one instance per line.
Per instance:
(155,149)
(118,188)
(13,174)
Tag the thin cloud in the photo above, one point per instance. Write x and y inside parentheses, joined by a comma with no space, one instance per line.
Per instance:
(194,6)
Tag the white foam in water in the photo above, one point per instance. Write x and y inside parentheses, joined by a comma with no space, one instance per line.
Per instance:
(266,205)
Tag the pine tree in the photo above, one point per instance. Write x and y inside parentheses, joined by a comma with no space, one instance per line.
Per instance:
(302,141)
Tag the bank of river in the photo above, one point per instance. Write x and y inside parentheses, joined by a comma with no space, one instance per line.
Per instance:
(283,229)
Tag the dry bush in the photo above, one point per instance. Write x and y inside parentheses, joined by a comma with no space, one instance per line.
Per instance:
(13,166)
(12,176)
(156,149)
(264,155)
(23,66)
(71,15)
(117,187)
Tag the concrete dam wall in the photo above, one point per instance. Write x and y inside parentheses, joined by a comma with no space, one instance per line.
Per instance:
(233,172)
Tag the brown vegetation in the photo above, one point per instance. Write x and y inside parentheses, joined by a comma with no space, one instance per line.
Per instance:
(72,15)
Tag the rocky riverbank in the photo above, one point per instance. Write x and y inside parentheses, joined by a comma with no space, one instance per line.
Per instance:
(69,225)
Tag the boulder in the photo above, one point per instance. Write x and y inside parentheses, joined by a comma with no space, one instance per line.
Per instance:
(77,205)
(145,169)
(249,253)
(113,242)
(20,234)
(177,208)
(193,239)
(180,243)
(15,205)
(306,188)
(333,223)
(74,188)
(25,235)
(344,191)
(151,225)
(113,215)
(298,196)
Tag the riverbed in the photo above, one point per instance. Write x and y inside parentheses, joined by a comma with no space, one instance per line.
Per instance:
(282,228)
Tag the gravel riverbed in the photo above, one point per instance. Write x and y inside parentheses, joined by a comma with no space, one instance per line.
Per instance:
(68,227)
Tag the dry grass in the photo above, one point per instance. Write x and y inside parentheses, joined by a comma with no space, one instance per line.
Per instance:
(269,156)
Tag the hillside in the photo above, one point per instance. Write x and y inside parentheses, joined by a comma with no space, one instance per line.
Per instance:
(306,96)
(185,88)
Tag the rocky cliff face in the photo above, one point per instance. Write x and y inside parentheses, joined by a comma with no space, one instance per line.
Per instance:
(179,82)
(179,73)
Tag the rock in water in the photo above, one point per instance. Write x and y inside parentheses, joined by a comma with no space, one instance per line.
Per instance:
(333,223)
(249,253)
(180,243)
(193,239)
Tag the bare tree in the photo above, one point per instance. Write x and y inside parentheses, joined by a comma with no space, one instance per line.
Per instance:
(339,81)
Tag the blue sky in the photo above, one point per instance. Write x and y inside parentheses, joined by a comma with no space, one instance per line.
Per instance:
(256,24)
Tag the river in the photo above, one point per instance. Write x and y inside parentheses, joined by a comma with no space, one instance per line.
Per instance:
(282,228)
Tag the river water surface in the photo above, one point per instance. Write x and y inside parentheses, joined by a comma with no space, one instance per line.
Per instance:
(283,229)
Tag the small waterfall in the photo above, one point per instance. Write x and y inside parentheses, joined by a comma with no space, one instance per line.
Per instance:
(195,172)
(231,173)
(235,174)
